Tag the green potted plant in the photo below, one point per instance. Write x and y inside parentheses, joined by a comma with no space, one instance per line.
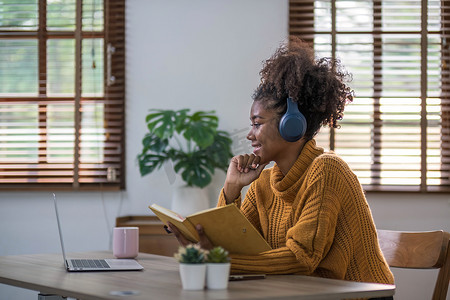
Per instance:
(191,254)
(217,268)
(217,255)
(192,142)
(205,148)
(192,266)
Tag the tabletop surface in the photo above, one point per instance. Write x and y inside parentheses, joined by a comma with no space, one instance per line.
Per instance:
(160,280)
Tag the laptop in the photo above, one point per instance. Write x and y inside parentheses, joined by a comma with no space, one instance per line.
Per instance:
(83,265)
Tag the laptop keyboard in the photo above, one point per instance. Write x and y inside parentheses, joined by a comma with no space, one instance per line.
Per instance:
(90,263)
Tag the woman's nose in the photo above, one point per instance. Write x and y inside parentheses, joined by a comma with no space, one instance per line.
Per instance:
(250,135)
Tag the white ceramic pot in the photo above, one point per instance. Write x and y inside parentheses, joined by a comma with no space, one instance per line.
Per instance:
(187,200)
(217,275)
(193,276)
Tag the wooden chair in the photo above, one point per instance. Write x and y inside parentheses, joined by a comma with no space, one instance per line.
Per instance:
(419,250)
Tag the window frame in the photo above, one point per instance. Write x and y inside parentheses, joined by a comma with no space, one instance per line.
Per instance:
(109,174)
(301,23)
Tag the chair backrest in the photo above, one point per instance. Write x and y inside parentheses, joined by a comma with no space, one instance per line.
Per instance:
(419,250)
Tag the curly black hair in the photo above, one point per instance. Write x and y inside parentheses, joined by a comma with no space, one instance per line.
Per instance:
(317,85)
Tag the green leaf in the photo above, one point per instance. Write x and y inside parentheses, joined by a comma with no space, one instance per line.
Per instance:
(153,143)
(201,128)
(220,151)
(195,170)
(206,117)
(162,123)
(203,136)
(196,176)
(150,162)
(157,112)
(181,120)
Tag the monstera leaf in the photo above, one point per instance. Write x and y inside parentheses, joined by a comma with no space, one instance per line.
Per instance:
(191,141)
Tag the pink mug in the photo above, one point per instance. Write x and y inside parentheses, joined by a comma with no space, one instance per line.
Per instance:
(126,242)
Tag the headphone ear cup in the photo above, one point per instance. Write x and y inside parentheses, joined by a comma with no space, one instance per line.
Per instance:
(293,123)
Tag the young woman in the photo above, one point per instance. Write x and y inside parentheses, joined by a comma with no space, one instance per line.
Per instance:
(310,206)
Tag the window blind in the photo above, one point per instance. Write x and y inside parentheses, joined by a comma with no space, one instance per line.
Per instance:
(395,134)
(62,84)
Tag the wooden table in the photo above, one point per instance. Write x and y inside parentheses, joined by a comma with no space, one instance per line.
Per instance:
(160,280)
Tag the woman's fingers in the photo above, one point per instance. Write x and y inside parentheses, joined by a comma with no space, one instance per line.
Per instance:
(204,241)
(255,163)
(180,237)
(247,162)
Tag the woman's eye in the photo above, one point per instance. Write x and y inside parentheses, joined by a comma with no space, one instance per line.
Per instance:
(255,125)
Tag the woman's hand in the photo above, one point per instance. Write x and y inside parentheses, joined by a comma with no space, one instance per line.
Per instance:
(242,171)
(204,241)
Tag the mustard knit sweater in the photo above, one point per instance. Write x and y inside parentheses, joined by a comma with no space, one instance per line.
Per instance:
(316,219)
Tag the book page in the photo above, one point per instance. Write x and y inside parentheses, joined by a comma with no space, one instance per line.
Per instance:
(168,212)
(166,215)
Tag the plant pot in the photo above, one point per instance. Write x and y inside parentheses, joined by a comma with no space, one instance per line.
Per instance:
(187,200)
(193,276)
(217,275)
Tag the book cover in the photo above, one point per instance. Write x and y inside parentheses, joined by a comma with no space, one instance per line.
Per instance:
(225,226)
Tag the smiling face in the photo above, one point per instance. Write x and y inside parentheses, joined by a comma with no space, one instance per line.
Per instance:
(264,135)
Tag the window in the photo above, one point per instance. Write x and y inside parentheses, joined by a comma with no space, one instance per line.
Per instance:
(62,94)
(396,133)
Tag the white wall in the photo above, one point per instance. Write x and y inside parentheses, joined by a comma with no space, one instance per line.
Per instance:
(187,54)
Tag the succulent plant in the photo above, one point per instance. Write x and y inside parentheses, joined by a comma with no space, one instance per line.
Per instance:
(191,254)
(217,255)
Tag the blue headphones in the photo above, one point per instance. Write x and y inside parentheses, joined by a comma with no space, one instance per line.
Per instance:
(293,123)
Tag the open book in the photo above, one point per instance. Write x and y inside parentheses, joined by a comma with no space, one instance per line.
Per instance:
(225,226)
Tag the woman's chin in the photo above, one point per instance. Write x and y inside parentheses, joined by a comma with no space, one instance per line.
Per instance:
(257,151)
(263,160)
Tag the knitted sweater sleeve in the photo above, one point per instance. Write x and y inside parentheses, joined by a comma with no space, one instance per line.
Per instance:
(309,240)
(277,261)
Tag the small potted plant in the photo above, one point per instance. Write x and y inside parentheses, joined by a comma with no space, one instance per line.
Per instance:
(217,268)
(192,266)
